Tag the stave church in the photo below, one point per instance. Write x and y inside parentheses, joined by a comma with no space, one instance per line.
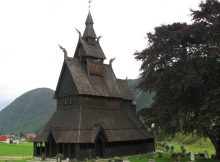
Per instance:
(95,115)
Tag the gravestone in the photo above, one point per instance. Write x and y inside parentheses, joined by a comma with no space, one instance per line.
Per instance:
(192,156)
(206,154)
(125,159)
(58,159)
(74,160)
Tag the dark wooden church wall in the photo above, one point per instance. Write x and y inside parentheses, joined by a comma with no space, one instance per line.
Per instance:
(100,102)
(122,148)
(127,104)
(70,101)
(87,150)
(66,94)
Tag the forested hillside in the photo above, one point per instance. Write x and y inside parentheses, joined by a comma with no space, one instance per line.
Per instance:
(29,112)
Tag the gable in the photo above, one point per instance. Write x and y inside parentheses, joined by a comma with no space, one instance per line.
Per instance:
(85,49)
(65,85)
(125,90)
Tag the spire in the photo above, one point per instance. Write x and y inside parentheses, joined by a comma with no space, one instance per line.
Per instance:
(89,19)
(89,31)
(89,43)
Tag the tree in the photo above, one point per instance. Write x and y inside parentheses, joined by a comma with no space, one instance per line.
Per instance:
(181,64)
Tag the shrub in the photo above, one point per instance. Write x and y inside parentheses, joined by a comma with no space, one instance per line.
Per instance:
(183,152)
(201,155)
(159,144)
(212,156)
(182,147)
(173,155)
(167,147)
(160,154)
(10,141)
(164,145)
(60,157)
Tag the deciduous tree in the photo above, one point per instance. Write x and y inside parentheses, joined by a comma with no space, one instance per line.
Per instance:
(181,64)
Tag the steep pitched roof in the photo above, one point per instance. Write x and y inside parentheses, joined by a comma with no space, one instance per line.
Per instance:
(93,50)
(118,125)
(89,43)
(125,90)
(105,85)
(89,30)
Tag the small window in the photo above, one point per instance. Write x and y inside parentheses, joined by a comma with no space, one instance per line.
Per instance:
(65,101)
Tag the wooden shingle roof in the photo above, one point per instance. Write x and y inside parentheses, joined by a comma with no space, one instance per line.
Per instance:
(125,90)
(93,50)
(118,125)
(89,43)
(89,30)
(105,85)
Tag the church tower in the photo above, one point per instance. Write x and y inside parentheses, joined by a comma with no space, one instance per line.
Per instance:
(95,113)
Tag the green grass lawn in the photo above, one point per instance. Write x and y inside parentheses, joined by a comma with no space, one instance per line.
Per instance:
(193,148)
(16,152)
(25,148)
(193,144)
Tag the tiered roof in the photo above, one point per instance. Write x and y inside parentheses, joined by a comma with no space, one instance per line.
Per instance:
(83,124)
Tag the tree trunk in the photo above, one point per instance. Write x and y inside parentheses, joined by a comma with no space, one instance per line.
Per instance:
(216,143)
(217,150)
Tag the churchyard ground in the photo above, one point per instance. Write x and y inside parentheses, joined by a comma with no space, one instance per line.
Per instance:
(23,152)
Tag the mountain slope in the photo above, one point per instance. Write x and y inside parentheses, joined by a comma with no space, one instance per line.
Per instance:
(29,112)
(143,99)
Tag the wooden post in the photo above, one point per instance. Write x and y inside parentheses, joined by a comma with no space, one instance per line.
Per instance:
(40,148)
(57,148)
(69,150)
(77,149)
(45,148)
(35,149)
(63,150)
(50,149)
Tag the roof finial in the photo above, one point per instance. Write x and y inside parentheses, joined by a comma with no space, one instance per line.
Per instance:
(89,1)
(78,32)
(111,61)
(64,51)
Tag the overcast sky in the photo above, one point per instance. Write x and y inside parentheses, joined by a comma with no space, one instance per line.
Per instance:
(30,31)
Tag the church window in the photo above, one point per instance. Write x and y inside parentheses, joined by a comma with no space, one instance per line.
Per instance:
(65,100)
